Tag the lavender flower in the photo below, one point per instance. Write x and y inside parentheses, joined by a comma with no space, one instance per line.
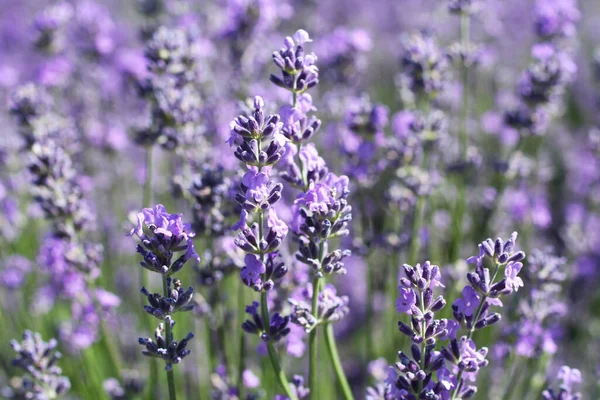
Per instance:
(463,6)
(210,189)
(424,67)
(320,214)
(568,377)
(298,70)
(298,389)
(472,311)
(178,300)
(415,378)
(161,235)
(170,350)
(248,133)
(175,101)
(298,126)
(50,26)
(556,18)
(331,307)
(14,271)
(42,379)
(131,385)
(259,194)
(275,331)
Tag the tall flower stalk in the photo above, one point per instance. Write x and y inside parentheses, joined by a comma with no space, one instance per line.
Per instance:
(42,378)
(321,210)
(162,235)
(261,243)
(68,253)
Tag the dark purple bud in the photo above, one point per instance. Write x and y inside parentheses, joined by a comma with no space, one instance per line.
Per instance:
(427,297)
(493,318)
(518,256)
(448,355)
(406,283)
(498,246)
(405,329)
(488,247)
(438,304)
(416,352)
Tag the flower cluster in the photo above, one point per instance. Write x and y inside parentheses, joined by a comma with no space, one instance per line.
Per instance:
(69,257)
(298,70)
(424,66)
(262,266)
(322,213)
(175,102)
(162,235)
(472,310)
(43,378)
(210,189)
(276,329)
(566,391)
(259,194)
(414,380)
(365,136)
(331,307)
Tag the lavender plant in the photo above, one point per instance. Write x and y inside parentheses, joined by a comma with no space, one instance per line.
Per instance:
(42,378)
(259,193)
(162,235)
(485,121)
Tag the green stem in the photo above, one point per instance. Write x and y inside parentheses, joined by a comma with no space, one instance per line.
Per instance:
(264,307)
(283,382)
(312,336)
(154,387)
(422,326)
(415,241)
(312,340)
(148,181)
(337,364)
(242,339)
(169,339)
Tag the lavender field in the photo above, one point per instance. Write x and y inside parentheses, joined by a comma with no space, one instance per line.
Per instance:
(287,199)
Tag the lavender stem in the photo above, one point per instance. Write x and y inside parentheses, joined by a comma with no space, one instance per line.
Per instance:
(169,339)
(337,364)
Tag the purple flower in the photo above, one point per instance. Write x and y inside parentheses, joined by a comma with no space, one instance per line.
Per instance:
(14,271)
(250,380)
(424,67)
(276,225)
(42,377)
(161,234)
(260,193)
(512,280)
(252,271)
(406,300)
(556,18)
(277,329)
(468,303)
(569,376)
(298,69)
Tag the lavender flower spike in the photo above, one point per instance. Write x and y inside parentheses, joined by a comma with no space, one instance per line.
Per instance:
(161,235)
(567,377)
(42,379)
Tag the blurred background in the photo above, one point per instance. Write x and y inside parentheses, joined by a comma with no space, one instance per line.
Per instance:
(437,163)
